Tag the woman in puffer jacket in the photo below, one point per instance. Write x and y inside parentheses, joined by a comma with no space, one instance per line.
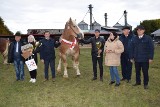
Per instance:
(113,49)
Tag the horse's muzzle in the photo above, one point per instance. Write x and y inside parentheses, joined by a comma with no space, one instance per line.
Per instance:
(80,35)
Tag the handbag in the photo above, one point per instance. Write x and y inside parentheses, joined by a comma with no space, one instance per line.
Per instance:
(31,64)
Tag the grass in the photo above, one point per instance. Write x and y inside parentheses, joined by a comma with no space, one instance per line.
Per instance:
(77,92)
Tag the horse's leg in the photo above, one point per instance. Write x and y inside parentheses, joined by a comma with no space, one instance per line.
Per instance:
(59,66)
(76,64)
(65,66)
(5,54)
(5,59)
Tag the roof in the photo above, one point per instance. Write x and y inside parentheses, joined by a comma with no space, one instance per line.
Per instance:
(96,24)
(156,33)
(117,24)
(82,23)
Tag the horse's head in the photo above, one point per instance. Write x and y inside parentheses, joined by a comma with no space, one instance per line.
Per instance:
(74,29)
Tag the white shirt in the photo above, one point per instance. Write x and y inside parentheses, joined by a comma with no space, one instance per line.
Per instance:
(140,36)
(17,47)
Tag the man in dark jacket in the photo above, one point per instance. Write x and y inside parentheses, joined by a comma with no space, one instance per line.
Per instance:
(14,56)
(142,51)
(95,52)
(47,54)
(126,64)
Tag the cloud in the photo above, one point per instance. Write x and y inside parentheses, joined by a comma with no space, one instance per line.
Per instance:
(26,14)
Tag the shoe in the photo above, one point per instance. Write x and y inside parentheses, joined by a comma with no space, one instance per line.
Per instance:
(117,85)
(101,79)
(45,80)
(31,80)
(17,79)
(136,84)
(128,81)
(94,78)
(112,82)
(53,79)
(123,79)
(145,86)
(34,80)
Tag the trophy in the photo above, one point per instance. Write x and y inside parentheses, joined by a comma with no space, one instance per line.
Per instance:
(98,45)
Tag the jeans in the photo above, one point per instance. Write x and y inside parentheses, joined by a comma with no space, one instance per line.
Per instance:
(46,66)
(114,74)
(19,68)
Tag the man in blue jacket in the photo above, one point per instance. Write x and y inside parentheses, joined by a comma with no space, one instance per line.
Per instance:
(126,65)
(47,54)
(142,51)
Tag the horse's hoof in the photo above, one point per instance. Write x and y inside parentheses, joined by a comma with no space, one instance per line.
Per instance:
(78,75)
(58,70)
(65,76)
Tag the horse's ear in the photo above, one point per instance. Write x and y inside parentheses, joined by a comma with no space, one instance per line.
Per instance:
(66,25)
(70,20)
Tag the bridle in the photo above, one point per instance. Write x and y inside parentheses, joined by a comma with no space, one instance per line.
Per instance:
(74,31)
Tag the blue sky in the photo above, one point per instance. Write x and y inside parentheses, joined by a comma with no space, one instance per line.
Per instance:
(20,15)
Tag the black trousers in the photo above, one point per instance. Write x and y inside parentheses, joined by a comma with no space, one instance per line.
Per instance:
(33,74)
(50,62)
(126,67)
(96,59)
(144,66)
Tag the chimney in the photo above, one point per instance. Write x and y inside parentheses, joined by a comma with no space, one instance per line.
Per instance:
(105,17)
(125,18)
(90,8)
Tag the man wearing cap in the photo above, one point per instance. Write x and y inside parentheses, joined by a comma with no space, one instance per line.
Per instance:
(142,52)
(95,52)
(14,56)
(126,64)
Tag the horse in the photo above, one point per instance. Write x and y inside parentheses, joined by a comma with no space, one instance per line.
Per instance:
(4,44)
(70,47)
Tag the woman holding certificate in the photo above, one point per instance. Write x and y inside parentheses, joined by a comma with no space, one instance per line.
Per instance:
(30,54)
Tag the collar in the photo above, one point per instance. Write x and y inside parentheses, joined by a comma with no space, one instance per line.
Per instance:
(72,44)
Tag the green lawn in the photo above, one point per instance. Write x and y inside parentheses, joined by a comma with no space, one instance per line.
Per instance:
(78,92)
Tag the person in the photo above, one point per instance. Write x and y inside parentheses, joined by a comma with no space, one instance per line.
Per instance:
(142,52)
(126,65)
(35,49)
(14,56)
(113,50)
(47,54)
(95,52)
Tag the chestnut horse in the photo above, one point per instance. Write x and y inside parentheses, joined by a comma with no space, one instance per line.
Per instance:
(70,47)
(4,44)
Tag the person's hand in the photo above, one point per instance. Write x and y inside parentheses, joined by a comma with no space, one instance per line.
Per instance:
(150,60)
(132,60)
(107,51)
(112,51)
(99,51)
(42,60)
(60,39)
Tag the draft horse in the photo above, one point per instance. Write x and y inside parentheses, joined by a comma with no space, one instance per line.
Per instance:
(4,44)
(69,46)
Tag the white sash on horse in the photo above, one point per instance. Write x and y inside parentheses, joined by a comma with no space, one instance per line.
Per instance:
(72,44)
